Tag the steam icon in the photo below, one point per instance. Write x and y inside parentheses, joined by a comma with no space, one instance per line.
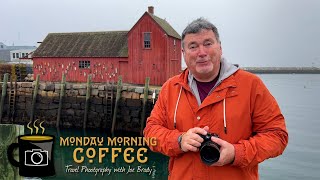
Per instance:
(34,125)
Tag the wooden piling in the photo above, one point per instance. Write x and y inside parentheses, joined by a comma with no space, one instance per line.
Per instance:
(114,119)
(62,93)
(87,102)
(4,93)
(34,98)
(144,104)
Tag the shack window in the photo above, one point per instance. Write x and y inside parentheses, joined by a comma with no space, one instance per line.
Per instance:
(147,40)
(13,55)
(84,64)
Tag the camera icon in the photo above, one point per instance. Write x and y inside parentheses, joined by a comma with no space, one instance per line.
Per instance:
(36,157)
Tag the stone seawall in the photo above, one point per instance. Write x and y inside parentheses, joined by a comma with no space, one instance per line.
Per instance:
(129,112)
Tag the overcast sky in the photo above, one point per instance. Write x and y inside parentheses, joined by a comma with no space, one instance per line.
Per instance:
(253,32)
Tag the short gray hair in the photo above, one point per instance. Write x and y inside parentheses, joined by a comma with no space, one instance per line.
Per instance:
(198,25)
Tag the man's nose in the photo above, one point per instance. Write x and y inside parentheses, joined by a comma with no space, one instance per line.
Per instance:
(202,51)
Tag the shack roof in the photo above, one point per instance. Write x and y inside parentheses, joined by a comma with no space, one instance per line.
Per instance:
(84,44)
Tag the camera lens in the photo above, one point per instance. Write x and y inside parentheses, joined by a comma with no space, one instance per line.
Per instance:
(36,158)
(209,153)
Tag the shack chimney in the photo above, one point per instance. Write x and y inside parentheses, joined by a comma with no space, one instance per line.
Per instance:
(151,10)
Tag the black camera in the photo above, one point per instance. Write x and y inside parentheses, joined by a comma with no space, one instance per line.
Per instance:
(209,150)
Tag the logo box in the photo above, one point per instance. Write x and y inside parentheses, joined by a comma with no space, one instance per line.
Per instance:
(35,155)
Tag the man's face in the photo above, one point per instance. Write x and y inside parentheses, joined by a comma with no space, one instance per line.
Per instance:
(202,53)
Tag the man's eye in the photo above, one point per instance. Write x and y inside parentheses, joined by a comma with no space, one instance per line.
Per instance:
(208,43)
(192,47)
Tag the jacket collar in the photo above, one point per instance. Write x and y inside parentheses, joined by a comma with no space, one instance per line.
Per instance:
(182,79)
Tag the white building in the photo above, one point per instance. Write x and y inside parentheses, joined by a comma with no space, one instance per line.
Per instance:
(21,56)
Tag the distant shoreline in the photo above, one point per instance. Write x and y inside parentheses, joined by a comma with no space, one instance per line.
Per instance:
(282,70)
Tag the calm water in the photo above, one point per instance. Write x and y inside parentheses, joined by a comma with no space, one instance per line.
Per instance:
(298,97)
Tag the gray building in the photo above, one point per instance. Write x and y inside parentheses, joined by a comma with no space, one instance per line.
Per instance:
(5,50)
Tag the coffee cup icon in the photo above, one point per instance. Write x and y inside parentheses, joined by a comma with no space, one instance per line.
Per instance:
(35,155)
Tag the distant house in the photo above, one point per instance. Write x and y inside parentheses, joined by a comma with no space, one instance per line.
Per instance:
(2,46)
(151,48)
(13,53)
(21,56)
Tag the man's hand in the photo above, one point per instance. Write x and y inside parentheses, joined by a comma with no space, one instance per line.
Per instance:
(191,141)
(227,152)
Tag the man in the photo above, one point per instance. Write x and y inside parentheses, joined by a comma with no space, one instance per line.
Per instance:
(214,96)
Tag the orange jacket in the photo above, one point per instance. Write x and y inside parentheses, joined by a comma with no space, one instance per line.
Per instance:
(255,125)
